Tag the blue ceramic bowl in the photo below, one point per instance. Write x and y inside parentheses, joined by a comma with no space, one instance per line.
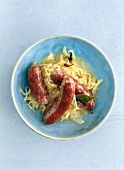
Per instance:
(101,67)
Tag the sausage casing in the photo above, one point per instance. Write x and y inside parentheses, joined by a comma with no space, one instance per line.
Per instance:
(67,92)
(36,84)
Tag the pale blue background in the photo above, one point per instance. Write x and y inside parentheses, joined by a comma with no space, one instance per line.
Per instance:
(21,24)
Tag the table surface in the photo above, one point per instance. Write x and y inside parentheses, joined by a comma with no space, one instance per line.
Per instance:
(21,24)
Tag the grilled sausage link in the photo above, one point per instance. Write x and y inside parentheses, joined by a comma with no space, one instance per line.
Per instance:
(36,84)
(67,91)
(57,77)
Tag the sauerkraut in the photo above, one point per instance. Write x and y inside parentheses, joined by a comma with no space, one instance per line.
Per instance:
(76,68)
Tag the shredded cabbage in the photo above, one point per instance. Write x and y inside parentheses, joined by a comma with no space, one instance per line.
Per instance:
(78,69)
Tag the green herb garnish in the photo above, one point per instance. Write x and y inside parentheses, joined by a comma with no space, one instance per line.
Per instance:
(84,98)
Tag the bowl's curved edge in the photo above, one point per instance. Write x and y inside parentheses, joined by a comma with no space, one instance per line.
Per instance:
(59,36)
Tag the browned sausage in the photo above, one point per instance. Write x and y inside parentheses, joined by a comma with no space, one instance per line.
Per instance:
(67,91)
(57,77)
(36,84)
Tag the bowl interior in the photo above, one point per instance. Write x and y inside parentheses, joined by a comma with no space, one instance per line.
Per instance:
(101,68)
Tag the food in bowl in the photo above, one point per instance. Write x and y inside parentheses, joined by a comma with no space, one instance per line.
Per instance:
(62,87)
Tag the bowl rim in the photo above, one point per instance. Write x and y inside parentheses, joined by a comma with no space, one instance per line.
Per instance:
(61,36)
